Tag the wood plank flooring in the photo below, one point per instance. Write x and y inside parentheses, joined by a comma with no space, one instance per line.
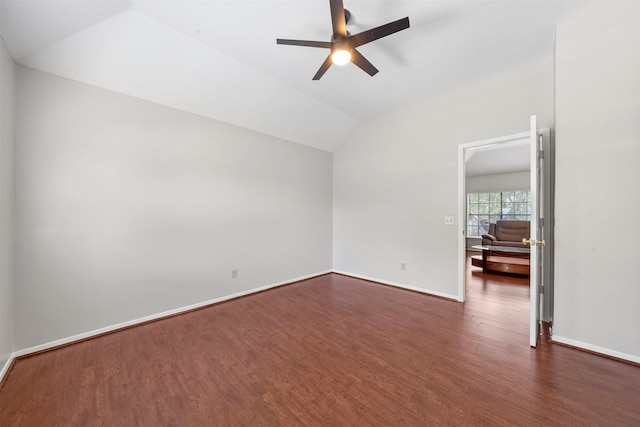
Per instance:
(333,351)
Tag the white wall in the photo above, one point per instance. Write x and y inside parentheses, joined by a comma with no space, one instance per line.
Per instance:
(498,182)
(7,203)
(597,297)
(395,178)
(126,209)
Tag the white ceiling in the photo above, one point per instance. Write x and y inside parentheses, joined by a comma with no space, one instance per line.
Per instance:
(513,156)
(219,58)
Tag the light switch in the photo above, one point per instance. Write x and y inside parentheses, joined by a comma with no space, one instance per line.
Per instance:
(448,220)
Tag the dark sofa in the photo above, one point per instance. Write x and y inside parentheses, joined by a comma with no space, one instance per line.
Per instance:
(507,233)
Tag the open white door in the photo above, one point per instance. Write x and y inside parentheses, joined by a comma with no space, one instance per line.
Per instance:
(536,240)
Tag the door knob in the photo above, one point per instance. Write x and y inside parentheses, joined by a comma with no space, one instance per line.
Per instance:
(526,241)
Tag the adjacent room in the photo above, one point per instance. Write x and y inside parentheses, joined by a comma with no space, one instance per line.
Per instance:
(206,220)
(498,210)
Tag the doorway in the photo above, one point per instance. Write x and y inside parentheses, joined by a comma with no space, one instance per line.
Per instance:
(501,150)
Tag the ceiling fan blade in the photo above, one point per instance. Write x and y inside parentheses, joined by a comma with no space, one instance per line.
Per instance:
(308,43)
(338,20)
(323,68)
(378,32)
(362,62)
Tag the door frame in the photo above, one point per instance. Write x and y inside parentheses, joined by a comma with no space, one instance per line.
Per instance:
(546,162)
(462,199)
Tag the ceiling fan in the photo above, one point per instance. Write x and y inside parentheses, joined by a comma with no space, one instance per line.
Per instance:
(343,45)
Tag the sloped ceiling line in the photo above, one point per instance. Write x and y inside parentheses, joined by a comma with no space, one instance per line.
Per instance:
(219,59)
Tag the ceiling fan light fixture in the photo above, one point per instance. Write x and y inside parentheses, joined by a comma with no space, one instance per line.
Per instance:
(341,56)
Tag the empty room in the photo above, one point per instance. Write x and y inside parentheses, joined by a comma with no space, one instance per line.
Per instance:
(329,212)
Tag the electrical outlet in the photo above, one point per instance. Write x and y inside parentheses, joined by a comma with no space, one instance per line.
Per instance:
(234,273)
(403,265)
(448,220)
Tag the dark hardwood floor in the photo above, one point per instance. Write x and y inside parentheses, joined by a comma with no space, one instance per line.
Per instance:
(333,351)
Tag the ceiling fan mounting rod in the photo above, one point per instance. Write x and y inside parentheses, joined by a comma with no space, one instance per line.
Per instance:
(338,38)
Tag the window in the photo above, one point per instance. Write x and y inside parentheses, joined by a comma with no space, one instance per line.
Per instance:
(485,208)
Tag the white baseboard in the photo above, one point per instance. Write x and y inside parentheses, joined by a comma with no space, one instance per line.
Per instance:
(595,348)
(399,285)
(112,328)
(6,366)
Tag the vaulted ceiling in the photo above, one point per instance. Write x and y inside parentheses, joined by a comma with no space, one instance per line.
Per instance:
(219,58)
